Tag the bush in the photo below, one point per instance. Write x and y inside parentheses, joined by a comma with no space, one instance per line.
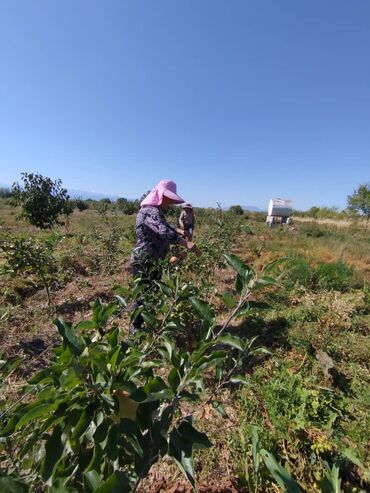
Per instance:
(314,231)
(29,256)
(128,207)
(80,204)
(42,200)
(297,271)
(237,210)
(335,276)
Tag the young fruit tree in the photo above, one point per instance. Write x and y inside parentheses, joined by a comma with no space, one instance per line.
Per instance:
(42,200)
(359,201)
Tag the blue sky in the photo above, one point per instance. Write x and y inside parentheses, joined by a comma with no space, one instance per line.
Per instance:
(237,101)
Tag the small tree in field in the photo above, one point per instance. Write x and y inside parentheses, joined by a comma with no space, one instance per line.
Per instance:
(128,207)
(80,204)
(42,200)
(237,210)
(30,256)
(359,201)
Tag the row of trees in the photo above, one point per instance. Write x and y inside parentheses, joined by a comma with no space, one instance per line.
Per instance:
(44,201)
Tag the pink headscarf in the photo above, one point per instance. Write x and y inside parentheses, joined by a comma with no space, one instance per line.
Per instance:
(165,188)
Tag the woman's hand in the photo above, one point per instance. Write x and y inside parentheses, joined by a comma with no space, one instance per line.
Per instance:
(192,247)
(189,245)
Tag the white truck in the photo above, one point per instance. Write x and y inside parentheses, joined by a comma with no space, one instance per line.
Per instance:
(279,212)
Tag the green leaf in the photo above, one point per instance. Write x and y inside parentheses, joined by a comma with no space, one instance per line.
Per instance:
(85,325)
(164,288)
(96,459)
(181,450)
(65,330)
(266,281)
(188,432)
(69,379)
(229,299)
(93,479)
(83,422)
(54,449)
(240,379)
(331,482)
(232,341)
(239,284)
(116,483)
(350,455)
(280,474)
(121,300)
(60,487)
(206,362)
(203,310)
(170,348)
(255,454)
(201,348)
(96,313)
(237,264)
(219,407)
(250,306)
(162,395)
(273,266)
(149,319)
(8,484)
(36,412)
(10,366)
(105,314)
(113,360)
(174,379)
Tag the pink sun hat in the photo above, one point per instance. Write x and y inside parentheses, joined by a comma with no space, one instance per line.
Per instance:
(165,188)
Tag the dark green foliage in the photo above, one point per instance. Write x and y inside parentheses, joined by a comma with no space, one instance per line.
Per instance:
(314,231)
(334,276)
(106,409)
(30,256)
(298,271)
(126,206)
(102,206)
(359,201)
(5,193)
(237,210)
(80,204)
(42,200)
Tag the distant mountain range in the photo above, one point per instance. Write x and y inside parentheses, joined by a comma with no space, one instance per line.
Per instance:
(79,193)
(98,196)
(250,208)
(91,195)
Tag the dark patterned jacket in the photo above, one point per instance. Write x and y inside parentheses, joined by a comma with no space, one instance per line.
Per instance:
(153,235)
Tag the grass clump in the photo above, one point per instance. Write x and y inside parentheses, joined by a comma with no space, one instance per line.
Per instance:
(335,276)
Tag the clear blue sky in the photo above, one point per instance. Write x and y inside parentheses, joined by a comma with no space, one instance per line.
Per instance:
(237,101)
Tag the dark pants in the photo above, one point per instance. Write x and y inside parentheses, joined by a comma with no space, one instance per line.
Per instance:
(149,272)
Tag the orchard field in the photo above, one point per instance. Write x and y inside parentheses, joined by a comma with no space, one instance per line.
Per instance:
(252,374)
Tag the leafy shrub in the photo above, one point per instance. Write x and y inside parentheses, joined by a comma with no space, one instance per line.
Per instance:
(334,276)
(314,231)
(42,200)
(293,403)
(5,193)
(236,210)
(31,256)
(106,409)
(297,271)
(128,207)
(80,204)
